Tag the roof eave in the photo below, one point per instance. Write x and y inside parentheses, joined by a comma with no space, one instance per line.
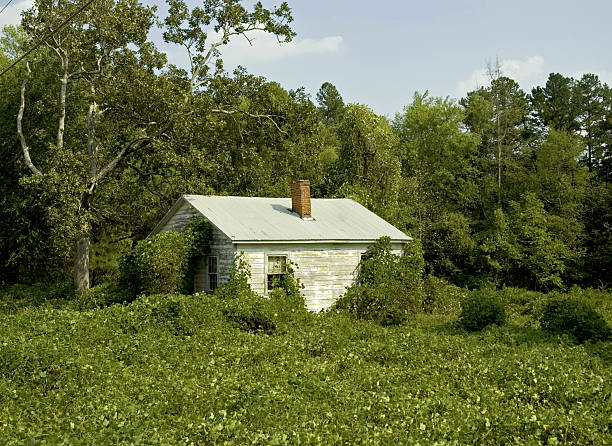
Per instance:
(303,241)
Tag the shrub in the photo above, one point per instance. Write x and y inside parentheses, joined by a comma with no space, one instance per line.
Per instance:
(199,231)
(241,305)
(480,309)
(440,297)
(250,312)
(522,302)
(166,262)
(575,317)
(389,287)
(158,264)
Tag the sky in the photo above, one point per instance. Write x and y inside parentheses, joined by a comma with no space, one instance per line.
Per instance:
(379,53)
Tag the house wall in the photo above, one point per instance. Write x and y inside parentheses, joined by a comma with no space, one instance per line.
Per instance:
(325,269)
(222,247)
(180,218)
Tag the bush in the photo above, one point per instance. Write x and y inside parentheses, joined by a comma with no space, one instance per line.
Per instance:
(250,312)
(241,305)
(480,309)
(389,288)
(158,264)
(520,301)
(166,262)
(575,317)
(440,297)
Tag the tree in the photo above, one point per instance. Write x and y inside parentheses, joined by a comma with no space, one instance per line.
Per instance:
(330,102)
(591,94)
(104,59)
(109,77)
(556,105)
(522,249)
(368,168)
(438,156)
(220,20)
(498,114)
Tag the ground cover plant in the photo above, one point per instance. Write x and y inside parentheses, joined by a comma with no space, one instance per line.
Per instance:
(173,369)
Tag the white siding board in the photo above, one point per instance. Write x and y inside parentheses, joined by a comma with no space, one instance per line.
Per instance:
(223,248)
(181,217)
(325,269)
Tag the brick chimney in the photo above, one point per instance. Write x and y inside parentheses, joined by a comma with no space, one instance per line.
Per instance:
(300,198)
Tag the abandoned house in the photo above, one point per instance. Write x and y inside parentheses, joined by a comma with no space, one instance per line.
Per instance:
(323,238)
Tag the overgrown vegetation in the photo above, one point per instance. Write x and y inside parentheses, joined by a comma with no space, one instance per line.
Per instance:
(172,369)
(480,309)
(503,189)
(389,287)
(575,317)
(505,186)
(166,262)
(251,312)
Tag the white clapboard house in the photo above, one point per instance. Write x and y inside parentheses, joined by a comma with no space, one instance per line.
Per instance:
(323,237)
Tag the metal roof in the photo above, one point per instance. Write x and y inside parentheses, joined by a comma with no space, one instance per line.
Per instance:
(247,219)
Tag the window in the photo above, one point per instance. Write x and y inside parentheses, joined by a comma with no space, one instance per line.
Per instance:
(277,268)
(212,273)
(363,256)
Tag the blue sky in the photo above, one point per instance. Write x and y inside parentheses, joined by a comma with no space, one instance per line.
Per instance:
(380,53)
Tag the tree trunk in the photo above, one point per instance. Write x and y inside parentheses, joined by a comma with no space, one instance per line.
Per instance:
(81,265)
(62,103)
(81,252)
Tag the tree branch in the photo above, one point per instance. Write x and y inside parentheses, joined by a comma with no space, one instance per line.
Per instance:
(250,115)
(24,146)
(61,125)
(138,142)
(92,145)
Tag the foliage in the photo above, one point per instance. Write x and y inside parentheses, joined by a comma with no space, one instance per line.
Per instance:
(575,317)
(523,247)
(19,296)
(199,233)
(103,295)
(441,297)
(252,312)
(241,305)
(170,369)
(330,102)
(389,288)
(166,262)
(480,309)
(368,168)
(503,186)
(158,264)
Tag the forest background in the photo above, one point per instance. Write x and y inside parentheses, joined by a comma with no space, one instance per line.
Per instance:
(100,135)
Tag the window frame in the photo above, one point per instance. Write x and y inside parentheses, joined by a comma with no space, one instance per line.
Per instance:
(284,254)
(358,268)
(209,274)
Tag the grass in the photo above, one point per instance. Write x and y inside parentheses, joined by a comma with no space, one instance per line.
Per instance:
(173,370)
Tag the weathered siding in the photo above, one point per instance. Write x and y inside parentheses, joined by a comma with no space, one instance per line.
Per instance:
(222,247)
(180,218)
(324,269)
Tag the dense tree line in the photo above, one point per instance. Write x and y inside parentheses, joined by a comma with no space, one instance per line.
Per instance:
(99,135)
